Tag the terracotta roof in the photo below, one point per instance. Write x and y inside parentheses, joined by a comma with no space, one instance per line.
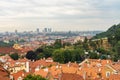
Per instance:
(21,74)
(49,58)
(7,50)
(42,62)
(4,75)
(114,77)
(42,73)
(70,76)
(69,69)
(116,66)
(54,72)
(93,67)
(103,62)
(22,60)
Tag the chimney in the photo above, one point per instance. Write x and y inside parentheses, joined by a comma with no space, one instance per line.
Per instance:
(27,66)
(60,67)
(57,67)
(107,61)
(84,75)
(75,62)
(37,68)
(23,75)
(46,69)
(33,60)
(69,64)
(44,58)
(118,60)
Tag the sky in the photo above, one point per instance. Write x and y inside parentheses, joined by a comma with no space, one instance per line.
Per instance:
(60,15)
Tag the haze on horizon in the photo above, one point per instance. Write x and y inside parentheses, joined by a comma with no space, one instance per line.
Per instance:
(61,15)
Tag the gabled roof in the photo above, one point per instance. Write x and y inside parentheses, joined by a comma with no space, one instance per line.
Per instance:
(115,66)
(21,74)
(4,75)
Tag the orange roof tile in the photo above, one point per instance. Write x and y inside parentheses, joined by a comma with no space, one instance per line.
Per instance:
(21,74)
(70,76)
(41,72)
(4,75)
(114,77)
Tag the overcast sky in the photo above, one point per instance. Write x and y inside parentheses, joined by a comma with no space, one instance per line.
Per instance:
(77,15)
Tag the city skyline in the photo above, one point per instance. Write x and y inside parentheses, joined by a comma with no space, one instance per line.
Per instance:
(60,15)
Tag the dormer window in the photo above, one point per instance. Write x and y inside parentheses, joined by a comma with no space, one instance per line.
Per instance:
(107,73)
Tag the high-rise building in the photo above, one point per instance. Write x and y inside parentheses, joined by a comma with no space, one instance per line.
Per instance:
(47,30)
(37,30)
(16,32)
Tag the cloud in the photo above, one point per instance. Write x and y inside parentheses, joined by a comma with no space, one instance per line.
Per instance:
(80,12)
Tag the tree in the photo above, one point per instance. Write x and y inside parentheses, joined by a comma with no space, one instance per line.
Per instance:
(67,56)
(117,34)
(39,56)
(93,45)
(77,55)
(34,77)
(31,55)
(47,52)
(93,55)
(103,57)
(85,40)
(66,44)
(78,43)
(112,40)
(39,50)
(14,56)
(117,48)
(58,56)
(86,46)
(103,51)
(58,43)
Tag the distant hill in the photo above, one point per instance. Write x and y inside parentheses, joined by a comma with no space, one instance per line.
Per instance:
(110,32)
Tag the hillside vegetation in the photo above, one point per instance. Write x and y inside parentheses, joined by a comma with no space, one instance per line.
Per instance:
(113,35)
(110,32)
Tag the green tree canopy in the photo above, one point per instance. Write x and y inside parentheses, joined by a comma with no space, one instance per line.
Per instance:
(34,77)
(58,43)
(14,56)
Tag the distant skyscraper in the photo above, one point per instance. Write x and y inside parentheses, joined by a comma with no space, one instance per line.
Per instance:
(37,30)
(47,30)
(16,32)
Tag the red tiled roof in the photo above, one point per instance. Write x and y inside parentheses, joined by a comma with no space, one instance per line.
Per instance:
(33,65)
(22,60)
(4,75)
(21,74)
(42,73)
(70,76)
(114,77)
(116,66)
(7,50)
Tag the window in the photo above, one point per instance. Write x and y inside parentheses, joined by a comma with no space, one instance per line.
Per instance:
(107,74)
